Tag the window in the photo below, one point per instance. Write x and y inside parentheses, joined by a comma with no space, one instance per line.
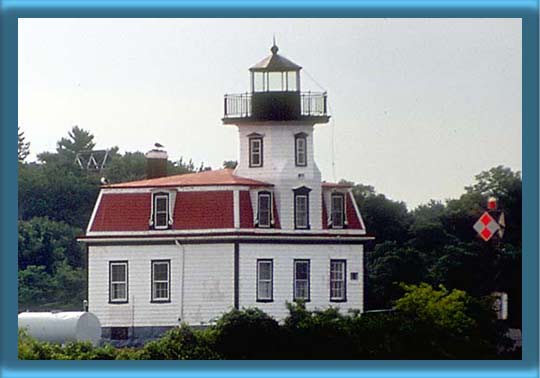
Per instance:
(338,210)
(264,209)
(255,152)
(337,281)
(265,280)
(119,333)
(160,281)
(301,280)
(301,207)
(300,149)
(301,211)
(118,281)
(161,211)
(292,84)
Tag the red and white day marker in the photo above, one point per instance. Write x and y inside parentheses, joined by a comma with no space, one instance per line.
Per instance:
(486,226)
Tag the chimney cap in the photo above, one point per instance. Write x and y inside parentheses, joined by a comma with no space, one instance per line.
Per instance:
(156,154)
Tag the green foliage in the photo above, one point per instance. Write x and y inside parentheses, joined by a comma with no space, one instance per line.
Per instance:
(78,140)
(449,324)
(62,193)
(428,323)
(64,288)
(31,349)
(51,265)
(237,330)
(385,219)
(45,242)
(182,343)
(230,164)
(388,265)
(442,308)
(23,146)
(132,166)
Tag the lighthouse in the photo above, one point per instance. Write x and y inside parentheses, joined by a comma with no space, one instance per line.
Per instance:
(192,247)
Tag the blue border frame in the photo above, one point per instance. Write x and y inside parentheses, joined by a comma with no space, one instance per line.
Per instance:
(11,10)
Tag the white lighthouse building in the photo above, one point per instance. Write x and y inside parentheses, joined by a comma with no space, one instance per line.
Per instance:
(191,247)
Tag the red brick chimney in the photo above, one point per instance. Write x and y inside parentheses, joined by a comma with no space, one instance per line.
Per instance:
(156,163)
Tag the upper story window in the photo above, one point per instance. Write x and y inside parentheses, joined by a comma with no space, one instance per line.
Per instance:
(264,213)
(265,278)
(300,149)
(338,274)
(275,81)
(161,211)
(301,280)
(301,208)
(160,280)
(338,210)
(118,281)
(255,150)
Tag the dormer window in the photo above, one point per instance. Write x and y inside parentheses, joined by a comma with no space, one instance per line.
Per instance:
(338,210)
(301,208)
(255,150)
(161,211)
(300,149)
(264,213)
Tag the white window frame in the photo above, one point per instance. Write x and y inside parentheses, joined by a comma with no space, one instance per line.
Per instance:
(333,210)
(124,282)
(342,297)
(154,298)
(259,223)
(265,280)
(156,212)
(297,213)
(301,152)
(307,280)
(252,154)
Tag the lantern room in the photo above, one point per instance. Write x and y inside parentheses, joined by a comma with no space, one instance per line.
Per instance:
(275,95)
(275,73)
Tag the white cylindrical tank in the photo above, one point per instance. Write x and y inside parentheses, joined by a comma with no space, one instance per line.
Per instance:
(61,327)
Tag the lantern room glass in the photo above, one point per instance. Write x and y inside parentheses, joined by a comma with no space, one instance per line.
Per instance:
(275,81)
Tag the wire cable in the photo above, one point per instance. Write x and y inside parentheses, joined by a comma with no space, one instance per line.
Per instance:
(332,125)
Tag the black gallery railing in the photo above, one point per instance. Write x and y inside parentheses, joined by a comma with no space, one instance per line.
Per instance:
(312,104)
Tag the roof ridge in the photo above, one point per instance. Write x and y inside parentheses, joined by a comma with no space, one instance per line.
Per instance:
(222,176)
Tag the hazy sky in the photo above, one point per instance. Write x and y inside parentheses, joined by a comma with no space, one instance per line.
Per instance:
(419,106)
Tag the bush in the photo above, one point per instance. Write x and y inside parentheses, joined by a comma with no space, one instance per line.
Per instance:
(247,334)
(427,323)
(181,343)
(31,349)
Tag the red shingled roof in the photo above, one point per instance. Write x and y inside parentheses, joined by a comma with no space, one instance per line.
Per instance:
(123,212)
(218,177)
(325,184)
(352,217)
(193,210)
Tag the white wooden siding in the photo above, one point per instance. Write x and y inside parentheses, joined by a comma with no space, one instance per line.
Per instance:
(279,168)
(208,291)
(284,256)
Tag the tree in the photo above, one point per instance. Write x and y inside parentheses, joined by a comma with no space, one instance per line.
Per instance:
(67,148)
(79,140)
(230,164)
(24,146)
(132,166)
(385,219)
(43,242)
(448,323)
(387,266)
(60,192)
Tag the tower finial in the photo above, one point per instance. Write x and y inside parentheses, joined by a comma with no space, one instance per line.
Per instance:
(274,47)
